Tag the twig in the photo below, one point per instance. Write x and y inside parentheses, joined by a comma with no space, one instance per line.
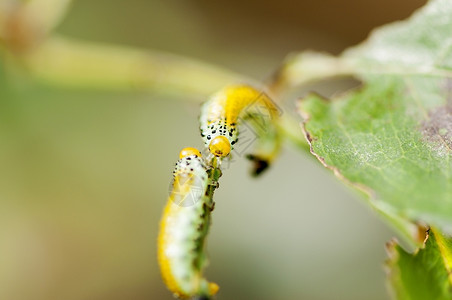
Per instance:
(78,64)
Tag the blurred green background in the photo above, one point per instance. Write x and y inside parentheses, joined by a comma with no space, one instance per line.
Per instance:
(85,174)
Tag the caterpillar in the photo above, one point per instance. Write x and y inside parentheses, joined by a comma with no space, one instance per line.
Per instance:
(184,227)
(222,112)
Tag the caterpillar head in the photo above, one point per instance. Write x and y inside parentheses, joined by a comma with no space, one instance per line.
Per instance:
(188,151)
(220,146)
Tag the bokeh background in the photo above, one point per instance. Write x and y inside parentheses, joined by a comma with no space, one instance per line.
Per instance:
(84,174)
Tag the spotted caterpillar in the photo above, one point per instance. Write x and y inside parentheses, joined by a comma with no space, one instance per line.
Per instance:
(184,227)
(221,114)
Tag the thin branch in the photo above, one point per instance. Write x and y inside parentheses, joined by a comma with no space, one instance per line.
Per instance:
(291,130)
(78,64)
(307,67)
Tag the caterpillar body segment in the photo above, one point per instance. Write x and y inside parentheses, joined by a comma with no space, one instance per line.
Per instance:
(184,227)
(222,113)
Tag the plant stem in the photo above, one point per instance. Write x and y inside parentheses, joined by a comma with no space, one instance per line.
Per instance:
(291,130)
(77,64)
(309,66)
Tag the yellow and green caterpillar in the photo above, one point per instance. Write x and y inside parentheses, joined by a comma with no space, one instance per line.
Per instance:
(184,227)
(222,113)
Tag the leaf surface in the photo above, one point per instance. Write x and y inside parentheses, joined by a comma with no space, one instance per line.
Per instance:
(424,274)
(392,137)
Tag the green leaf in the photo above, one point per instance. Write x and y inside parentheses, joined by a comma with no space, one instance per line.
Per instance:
(424,274)
(392,138)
